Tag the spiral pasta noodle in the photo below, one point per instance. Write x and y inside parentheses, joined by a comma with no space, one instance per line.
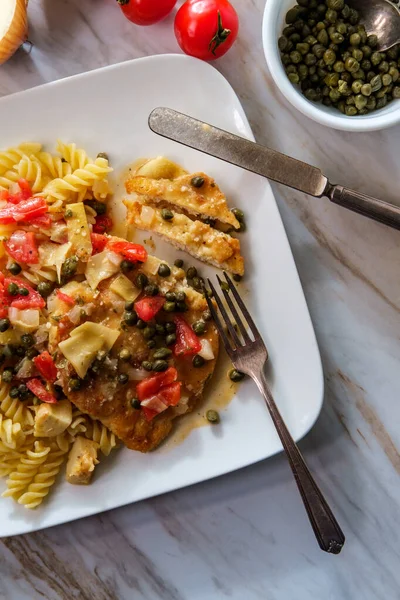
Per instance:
(29,465)
(54,166)
(14,409)
(73,156)
(99,433)
(44,479)
(9,158)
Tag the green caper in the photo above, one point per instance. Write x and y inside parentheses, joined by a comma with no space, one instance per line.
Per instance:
(197,282)
(180,296)
(27,340)
(123,378)
(129,306)
(291,15)
(191,272)
(386,79)
(295,57)
(15,268)
(103,155)
(12,289)
(170,327)
(366,89)
(323,38)
(360,101)
(141,324)
(331,15)
(135,403)
(162,353)
(164,270)
(169,306)
(44,288)
(151,344)
(199,327)
(198,361)
(141,280)
(124,354)
(74,384)
(181,307)
(126,266)
(167,214)
(22,291)
(356,86)
(160,365)
(178,263)
(4,325)
(130,317)
(235,375)
(351,64)
(160,329)
(13,393)
(303,48)
(151,289)
(355,39)
(376,58)
(396,92)
(69,267)
(206,316)
(20,351)
(283,43)
(197,181)
(149,332)
(372,41)
(23,392)
(170,339)
(376,83)
(332,79)
(339,67)
(68,214)
(212,417)
(7,375)
(351,111)
(147,365)
(170,296)
(336,38)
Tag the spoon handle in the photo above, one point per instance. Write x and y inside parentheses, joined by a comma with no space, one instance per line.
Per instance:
(381,211)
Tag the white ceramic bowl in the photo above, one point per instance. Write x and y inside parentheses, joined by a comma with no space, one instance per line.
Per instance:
(274,21)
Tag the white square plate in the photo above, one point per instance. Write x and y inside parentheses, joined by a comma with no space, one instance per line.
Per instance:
(107,110)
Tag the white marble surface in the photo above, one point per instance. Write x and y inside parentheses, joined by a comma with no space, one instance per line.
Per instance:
(245,536)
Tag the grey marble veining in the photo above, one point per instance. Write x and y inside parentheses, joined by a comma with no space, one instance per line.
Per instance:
(245,536)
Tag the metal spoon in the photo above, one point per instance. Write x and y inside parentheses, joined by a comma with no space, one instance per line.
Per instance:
(380,17)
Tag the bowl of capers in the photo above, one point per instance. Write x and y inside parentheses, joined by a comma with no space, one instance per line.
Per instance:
(328,67)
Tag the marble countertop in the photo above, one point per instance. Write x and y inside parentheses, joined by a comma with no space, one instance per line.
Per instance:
(245,536)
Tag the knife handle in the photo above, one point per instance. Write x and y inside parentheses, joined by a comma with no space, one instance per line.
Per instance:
(381,211)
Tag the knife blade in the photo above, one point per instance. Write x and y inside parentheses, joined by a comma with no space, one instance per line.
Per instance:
(269,163)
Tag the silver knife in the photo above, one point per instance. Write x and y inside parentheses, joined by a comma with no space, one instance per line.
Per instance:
(268,163)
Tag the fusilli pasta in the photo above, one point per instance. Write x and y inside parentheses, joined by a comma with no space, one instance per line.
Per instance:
(44,479)
(9,158)
(28,466)
(99,433)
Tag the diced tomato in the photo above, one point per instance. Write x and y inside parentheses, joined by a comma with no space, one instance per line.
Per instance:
(43,221)
(151,385)
(103,224)
(131,252)
(149,413)
(170,394)
(32,300)
(26,191)
(24,211)
(37,388)
(65,298)
(99,242)
(187,342)
(4,195)
(46,367)
(4,303)
(149,306)
(22,246)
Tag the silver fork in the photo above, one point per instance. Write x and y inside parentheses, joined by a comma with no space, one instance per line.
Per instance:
(250,357)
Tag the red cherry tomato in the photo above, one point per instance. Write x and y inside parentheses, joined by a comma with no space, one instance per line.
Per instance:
(22,247)
(206,29)
(146,12)
(148,307)
(187,342)
(46,366)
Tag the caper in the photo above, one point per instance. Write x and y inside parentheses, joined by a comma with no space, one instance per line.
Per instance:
(147,365)
(27,340)
(197,181)
(160,365)
(15,268)
(376,58)
(197,282)
(4,325)
(170,327)
(332,79)
(164,270)
(199,327)
(135,403)
(68,214)
(351,64)
(74,384)
(180,296)
(283,43)
(237,277)
(167,214)
(212,417)
(20,351)
(206,316)
(141,324)
(7,375)
(23,391)
(160,329)
(386,79)
(356,86)
(170,339)
(141,280)
(22,291)
(366,89)
(292,14)
(103,155)
(124,354)
(360,101)
(376,83)
(151,289)
(339,67)
(44,288)
(331,15)
(178,263)
(169,306)
(181,307)
(170,296)
(31,353)
(149,332)
(123,378)
(13,393)
(69,267)
(191,272)
(12,289)
(350,111)
(126,266)
(396,92)
(372,41)
(235,375)
(151,344)
(198,361)
(130,317)
(162,353)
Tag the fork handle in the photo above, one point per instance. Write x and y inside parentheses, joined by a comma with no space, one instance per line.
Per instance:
(327,530)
